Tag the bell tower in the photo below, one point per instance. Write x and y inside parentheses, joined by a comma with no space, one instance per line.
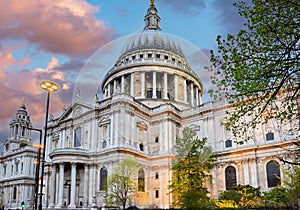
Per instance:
(19,132)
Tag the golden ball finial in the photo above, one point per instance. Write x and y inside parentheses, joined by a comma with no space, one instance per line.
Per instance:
(152,2)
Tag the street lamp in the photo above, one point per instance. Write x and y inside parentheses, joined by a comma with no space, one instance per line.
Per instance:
(49,87)
(37,170)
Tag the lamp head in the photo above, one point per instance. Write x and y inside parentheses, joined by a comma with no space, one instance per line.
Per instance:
(49,86)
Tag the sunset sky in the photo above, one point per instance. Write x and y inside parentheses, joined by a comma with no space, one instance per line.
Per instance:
(53,39)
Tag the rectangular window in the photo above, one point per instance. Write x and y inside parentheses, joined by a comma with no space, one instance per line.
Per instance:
(77,139)
(4,170)
(270,136)
(157,55)
(156,194)
(149,55)
(156,175)
(228,143)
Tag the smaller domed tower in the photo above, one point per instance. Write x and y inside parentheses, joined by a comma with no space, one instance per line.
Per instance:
(19,132)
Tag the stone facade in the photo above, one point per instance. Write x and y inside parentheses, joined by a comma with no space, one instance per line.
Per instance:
(17,168)
(150,95)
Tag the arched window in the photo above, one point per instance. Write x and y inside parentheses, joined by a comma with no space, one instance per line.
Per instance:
(103,178)
(230,177)
(273,174)
(141,180)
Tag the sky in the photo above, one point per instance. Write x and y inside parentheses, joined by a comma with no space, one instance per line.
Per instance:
(54,40)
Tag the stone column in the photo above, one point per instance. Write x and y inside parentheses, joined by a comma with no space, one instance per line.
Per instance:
(166,86)
(52,186)
(61,185)
(143,85)
(176,87)
(184,91)
(73,186)
(108,90)
(192,94)
(105,93)
(122,84)
(197,96)
(85,185)
(92,186)
(154,85)
(115,87)
(132,85)
(63,140)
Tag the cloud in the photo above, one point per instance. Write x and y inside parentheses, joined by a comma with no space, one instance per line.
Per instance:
(7,58)
(187,7)
(229,17)
(24,84)
(65,27)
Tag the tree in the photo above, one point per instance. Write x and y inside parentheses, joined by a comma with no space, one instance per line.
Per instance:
(243,196)
(291,181)
(257,70)
(122,182)
(277,197)
(191,168)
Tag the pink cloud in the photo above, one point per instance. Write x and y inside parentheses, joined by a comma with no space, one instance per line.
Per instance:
(7,59)
(64,27)
(15,85)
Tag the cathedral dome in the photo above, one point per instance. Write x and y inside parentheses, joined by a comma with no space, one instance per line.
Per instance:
(153,69)
(153,40)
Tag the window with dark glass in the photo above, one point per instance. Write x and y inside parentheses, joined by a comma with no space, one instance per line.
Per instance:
(156,175)
(103,178)
(230,177)
(149,55)
(228,143)
(156,139)
(273,174)
(270,136)
(157,55)
(141,147)
(15,193)
(141,180)
(156,194)
(158,94)
(77,138)
(149,93)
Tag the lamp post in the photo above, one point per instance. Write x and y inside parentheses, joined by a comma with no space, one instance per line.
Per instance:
(49,87)
(37,170)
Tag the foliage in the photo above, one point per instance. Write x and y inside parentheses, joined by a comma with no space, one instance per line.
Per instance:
(277,197)
(226,204)
(258,69)
(122,182)
(191,169)
(243,196)
(292,182)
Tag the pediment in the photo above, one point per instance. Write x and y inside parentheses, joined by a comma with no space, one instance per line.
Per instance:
(74,111)
(104,120)
(142,125)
